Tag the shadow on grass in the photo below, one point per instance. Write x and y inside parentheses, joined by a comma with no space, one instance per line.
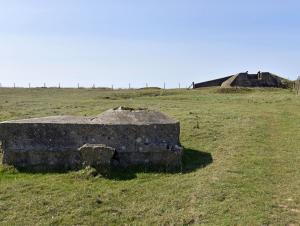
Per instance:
(192,160)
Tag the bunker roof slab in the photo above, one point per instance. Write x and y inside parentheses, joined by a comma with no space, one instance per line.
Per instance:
(117,116)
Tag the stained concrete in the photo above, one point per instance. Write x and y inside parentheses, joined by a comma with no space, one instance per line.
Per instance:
(138,136)
(98,156)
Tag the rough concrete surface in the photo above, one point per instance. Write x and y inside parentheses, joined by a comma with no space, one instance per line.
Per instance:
(138,136)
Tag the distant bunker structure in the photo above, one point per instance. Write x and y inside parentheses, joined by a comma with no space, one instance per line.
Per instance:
(120,137)
(244,79)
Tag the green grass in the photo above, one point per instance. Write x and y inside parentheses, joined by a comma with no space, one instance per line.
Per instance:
(241,164)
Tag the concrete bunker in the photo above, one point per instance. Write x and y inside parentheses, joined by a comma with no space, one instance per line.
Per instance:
(244,79)
(120,137)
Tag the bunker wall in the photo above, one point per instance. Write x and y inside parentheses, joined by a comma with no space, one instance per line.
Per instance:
(55,146)
(216,82)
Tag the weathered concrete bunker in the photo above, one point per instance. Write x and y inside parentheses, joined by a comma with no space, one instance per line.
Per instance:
(244,79)
(119,137)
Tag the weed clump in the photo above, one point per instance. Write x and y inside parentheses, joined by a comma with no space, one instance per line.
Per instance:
(87,173)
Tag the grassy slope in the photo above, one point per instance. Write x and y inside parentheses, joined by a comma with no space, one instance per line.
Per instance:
(253,138)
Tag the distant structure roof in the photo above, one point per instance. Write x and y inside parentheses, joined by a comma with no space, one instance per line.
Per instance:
(244,79)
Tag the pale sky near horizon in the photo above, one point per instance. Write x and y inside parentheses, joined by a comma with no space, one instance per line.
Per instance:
(136,41)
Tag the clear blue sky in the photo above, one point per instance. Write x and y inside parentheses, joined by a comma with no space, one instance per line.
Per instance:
(138,41)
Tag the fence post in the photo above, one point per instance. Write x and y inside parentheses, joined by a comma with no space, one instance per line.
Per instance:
(297,85)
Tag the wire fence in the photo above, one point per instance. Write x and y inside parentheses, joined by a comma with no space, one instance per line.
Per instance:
(93,86)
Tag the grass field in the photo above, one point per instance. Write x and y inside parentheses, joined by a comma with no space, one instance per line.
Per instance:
(241,164)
